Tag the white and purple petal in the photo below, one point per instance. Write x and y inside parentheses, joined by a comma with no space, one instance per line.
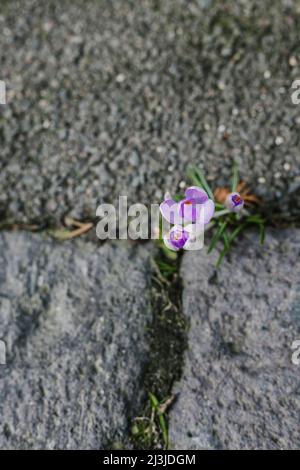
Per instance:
(194,192)
(209,209)
(189,210)
(176,238)
(169,244)
(169,210)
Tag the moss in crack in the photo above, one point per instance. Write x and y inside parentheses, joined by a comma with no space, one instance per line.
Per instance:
(167,345)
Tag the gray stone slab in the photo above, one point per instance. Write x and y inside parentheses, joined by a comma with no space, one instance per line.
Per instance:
(240,389)
(107,98)
(74,319)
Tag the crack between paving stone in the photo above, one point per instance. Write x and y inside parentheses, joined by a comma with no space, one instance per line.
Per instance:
(167,344)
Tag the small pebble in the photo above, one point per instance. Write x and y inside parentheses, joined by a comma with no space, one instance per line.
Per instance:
(286,166)
(134,159)
(261,180)
(278,140)
(267,74)
(293,61)
(120,78)
(182,184)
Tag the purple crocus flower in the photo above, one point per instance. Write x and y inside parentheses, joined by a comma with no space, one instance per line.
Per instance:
(183,237)
(188,217)
(190,209)
(234,202)
(176,238)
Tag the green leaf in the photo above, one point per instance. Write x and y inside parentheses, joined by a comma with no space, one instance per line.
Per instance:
(178,197)
(164,429)
(258,220)
(193,175)
(217,236)
(227,246)
(235,177)
(221,257)
(162,422)
(167,252)
(226,240)
(154,401)
(255,219)
(167,270)
(236,232)
(198,178)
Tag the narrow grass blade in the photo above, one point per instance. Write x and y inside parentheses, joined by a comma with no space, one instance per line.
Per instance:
(171,255)
(227,245)
(258,220)
(217,236)
(221,257)
(226,240)
(262,234)
(166,270)
(178,197)
(255,218)
(164,429)
(198,179)
(153,400)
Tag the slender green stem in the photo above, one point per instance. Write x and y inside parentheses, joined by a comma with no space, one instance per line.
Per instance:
(209,226)
(221,213)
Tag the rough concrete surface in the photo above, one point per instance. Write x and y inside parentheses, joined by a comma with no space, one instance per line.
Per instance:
(107,98)
(74,319)
(240,389)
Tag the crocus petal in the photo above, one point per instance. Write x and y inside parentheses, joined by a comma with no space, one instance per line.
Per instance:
(194,192)
(209,209)
(189,210)
(178,236)
(169,210)
(169,244)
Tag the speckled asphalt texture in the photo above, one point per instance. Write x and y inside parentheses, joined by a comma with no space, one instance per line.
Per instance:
(117,97)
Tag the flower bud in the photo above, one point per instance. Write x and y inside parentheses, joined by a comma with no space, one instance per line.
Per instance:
(234,202)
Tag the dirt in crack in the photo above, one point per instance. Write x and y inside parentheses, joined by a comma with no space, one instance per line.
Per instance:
(167,345)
